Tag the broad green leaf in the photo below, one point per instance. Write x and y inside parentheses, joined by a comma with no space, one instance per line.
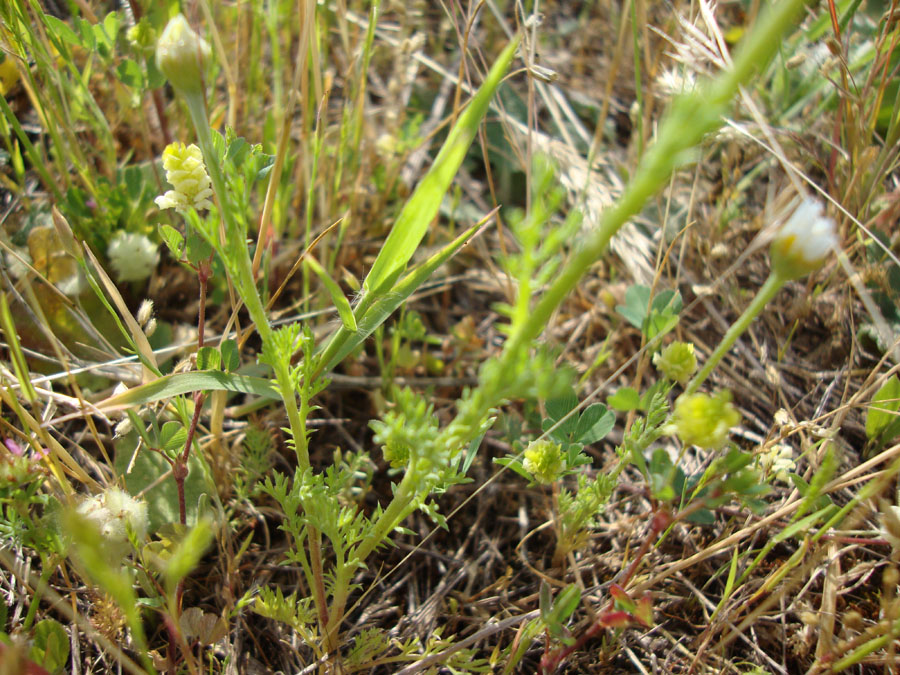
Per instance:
(172,437)
(135,180)
(625,399)
(801,485)
(61,30)
(883,409)
(561,406)
(173,239)
(702,517)
(565,604)
(142,473)
(183,383)
(659,324)
(557,409)
(86,28)
(423,205)
(51,645)
(197,248)
(595,422)
(130,74)
(667,302)
(661,476)
(237,151)
(231,357)
(208,358)
(105,34)
(637,301)
(545,599)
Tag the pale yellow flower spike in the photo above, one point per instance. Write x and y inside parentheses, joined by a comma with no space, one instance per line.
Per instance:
(186,172)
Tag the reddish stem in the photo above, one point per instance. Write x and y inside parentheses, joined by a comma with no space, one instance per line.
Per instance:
(661,520)
(180,468)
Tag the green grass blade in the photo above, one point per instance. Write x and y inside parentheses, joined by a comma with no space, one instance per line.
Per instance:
(184,383)
(344,341)
(337,296)
(15,351)
(422,207)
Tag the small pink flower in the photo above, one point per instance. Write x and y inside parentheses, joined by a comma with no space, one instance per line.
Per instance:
(13,447)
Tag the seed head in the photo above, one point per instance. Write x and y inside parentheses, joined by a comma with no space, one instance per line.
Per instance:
(677,361)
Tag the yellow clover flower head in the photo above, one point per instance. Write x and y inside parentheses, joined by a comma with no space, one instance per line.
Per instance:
(804,241)
(181,55)
(186,172)
(704,420)
(677,362)
(544,461)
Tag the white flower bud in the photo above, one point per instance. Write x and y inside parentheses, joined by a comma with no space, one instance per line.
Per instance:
(804,241)
(145,311)
(123,428)
(150,328)
(181,55)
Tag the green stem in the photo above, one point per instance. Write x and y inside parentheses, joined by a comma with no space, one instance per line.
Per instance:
(342,577)
(47,569)
(857,655)
(763,297)
(392,516)
(242,268)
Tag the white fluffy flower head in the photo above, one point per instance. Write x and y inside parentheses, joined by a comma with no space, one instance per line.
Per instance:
(133,256)
(114,513)
(804,241)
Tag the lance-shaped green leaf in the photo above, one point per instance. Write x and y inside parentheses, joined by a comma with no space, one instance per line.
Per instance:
(337,296)
(345,341)
(881,419)
(422,207)
(184,383)
(187,554)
